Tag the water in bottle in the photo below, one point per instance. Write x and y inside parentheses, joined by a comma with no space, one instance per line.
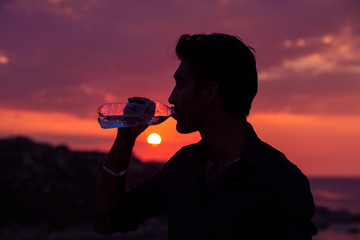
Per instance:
(118,115)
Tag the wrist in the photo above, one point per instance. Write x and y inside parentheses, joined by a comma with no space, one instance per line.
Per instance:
(126,136)
(116,166)
(114,174)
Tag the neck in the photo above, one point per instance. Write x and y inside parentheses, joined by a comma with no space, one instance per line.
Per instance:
(225,138)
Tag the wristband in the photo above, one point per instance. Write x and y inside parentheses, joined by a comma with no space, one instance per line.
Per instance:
(114,174)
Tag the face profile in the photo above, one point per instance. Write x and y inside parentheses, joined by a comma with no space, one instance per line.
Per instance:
(186,100)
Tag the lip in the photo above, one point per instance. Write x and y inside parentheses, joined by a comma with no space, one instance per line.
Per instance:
(175,114)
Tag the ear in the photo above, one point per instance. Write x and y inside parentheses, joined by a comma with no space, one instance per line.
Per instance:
(209,92)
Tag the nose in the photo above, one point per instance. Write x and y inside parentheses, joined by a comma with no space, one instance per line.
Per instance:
(171,99)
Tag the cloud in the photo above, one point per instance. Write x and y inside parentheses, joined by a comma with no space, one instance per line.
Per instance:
(331,93)
(3,58)
(323,77)
(74,55)
(65,8)
(61,59)
(331,53)
(32,122)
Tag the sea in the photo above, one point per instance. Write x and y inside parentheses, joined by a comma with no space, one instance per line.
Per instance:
(338,194)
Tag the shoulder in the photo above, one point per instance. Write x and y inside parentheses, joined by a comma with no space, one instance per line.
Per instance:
(186,156)
(271,163)
(265,158)
(288,182)
(277,166)
(277,160)
(288,185)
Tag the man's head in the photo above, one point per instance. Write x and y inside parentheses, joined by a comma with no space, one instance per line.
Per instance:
(223,59)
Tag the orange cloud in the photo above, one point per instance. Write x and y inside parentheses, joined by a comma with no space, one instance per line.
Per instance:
(36,122)
(68,127)
(3,58)
(319,145)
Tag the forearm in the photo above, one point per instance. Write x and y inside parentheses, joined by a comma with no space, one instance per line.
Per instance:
(110,189)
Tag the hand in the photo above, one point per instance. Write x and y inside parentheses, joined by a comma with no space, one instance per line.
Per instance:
(138,106)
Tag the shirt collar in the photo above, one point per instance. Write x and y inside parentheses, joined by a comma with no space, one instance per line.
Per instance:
(253,152)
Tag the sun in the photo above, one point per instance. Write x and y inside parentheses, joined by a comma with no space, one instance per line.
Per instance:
(154,139)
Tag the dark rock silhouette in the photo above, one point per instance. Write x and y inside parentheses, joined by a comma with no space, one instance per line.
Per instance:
(42,184)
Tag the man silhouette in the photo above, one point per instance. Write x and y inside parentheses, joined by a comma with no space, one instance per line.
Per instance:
(230,185)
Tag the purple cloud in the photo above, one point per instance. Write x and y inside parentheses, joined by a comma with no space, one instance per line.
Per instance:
(71,56)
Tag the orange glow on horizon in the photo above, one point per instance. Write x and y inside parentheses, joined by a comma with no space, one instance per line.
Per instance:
(319,145)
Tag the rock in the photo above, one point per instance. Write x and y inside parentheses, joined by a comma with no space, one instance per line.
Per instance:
(52,185)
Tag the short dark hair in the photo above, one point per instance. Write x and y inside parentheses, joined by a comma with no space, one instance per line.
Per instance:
(226,60)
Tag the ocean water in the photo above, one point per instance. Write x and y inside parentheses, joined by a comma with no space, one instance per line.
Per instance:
(338,194)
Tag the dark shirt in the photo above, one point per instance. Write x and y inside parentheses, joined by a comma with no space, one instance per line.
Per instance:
(262,196)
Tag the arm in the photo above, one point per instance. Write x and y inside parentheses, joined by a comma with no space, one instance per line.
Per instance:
(296,211)
(109,189)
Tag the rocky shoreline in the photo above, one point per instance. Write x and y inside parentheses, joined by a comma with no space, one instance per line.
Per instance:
(48,190)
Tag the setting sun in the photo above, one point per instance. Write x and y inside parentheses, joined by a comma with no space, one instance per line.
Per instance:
(154,139)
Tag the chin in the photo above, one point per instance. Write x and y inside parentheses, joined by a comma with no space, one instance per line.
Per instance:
(183,129)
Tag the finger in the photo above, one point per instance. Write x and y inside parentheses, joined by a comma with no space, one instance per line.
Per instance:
(138,99)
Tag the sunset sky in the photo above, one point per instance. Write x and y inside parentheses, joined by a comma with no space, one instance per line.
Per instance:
(61,59)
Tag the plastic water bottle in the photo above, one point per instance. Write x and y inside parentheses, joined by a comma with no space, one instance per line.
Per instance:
(119,115)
